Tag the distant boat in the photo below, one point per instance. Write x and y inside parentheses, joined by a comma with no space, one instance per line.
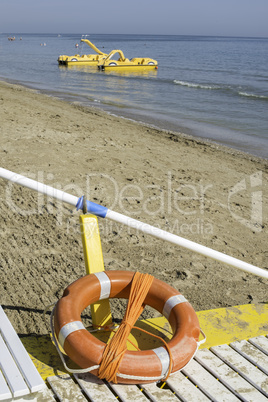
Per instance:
(137,63)
(85,59)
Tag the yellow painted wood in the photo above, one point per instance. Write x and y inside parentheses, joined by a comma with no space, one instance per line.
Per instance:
(43,354)
(226,325)
(100,311)
(221,326)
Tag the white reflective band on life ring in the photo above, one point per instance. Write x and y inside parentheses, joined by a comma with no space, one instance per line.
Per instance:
(163,356)
(172,302)
(67,329)
(105,285)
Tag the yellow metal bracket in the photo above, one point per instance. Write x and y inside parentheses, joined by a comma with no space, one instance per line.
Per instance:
(100,311)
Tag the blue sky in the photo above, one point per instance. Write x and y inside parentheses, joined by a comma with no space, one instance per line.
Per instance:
(175,17)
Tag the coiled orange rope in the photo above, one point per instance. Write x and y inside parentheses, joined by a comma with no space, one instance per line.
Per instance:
(115,349)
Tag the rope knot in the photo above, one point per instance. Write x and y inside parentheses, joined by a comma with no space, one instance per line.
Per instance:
(114,350)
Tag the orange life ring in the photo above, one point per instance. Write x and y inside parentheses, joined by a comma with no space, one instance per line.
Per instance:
(137,366)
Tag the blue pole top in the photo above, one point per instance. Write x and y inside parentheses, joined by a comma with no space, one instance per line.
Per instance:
(92,207)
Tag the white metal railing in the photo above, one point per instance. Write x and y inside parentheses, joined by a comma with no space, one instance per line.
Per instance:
(104,212)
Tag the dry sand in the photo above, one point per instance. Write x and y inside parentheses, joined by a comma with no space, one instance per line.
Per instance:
(201,191)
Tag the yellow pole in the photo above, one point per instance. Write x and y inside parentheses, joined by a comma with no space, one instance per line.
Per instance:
(100,311)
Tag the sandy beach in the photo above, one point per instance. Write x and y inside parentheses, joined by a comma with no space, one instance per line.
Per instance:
(204,192)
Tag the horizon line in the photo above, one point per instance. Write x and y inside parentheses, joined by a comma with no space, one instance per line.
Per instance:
(136,34)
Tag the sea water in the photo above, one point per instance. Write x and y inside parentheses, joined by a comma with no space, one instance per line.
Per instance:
(215,88)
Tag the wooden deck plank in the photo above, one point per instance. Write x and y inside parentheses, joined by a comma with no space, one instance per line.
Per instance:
(185,389)
(260,342)
(45,395)
(159,394)
(253,354)
(230,377)
(250,373)
(207,383)
(94,388)
(65,388)
(129,393)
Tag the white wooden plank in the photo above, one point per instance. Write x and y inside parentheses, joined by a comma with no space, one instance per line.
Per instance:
(260,342)
(95,388)
(11,372)
(4,389)
(65,388)
(207,383)
(185,389)
(253,354)
(159,394)
(45,395)
(129,392)
(240,385)
(251,373)
(20,355)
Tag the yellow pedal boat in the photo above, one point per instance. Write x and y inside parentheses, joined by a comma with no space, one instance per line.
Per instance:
(84,59)
(137,63)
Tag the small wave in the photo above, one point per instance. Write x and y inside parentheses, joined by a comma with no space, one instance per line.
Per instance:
(193,85)
(252,95)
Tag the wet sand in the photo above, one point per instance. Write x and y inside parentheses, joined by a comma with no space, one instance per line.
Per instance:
(201,191)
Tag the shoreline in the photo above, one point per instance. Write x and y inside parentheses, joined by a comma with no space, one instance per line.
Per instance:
(209,193)
(164,126)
